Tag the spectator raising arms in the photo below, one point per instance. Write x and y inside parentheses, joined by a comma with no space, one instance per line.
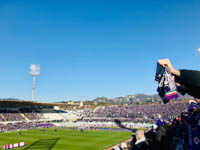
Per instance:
(188,81)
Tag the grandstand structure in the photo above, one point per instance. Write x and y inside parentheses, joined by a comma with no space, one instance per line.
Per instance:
(20,110)
(16,114)
(19,114)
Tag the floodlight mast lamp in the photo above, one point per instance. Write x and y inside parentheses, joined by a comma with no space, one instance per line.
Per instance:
(34,71)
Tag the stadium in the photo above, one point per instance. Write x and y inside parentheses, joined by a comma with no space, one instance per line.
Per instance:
(115,75)
(70,126)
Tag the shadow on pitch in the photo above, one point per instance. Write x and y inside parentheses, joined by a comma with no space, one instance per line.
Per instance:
(42,144)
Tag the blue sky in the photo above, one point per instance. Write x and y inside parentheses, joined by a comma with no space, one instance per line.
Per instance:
(93,48)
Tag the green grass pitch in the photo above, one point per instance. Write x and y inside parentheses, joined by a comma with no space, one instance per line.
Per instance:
(64,139)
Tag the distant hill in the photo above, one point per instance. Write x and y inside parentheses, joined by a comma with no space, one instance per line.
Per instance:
(126,99)
(122,99)
(136,98)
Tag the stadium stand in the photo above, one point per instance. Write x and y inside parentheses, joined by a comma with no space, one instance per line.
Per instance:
(23,115)
(146,113)
(170,133)
(17,126)
(11,115)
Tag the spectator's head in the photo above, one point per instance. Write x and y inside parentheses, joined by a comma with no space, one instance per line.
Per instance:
(124,146)
(140,134)
(192,101)
(159,116)
(193,106)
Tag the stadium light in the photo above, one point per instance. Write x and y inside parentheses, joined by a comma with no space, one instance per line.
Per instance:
(199,50)
(34,71)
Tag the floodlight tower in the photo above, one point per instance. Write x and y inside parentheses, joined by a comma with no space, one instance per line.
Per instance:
(34,71)
(152,99)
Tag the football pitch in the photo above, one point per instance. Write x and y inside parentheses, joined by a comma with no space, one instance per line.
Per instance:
(64,139)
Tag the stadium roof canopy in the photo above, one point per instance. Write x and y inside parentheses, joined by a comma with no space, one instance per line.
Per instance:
(22,102)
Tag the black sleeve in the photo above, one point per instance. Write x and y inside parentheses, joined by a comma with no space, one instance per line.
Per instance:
(182,89)
(195,92)
(189,78)
(190,82)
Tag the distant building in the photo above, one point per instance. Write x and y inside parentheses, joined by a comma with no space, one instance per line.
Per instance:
(81,103)
(73,103)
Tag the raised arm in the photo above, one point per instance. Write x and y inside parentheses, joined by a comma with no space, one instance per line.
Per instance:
(166,62)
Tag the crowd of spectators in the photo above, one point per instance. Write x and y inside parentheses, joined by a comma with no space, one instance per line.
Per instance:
(180,133)
(17,126)
(31,114)
(146,113)
(24,126)
(17,115)
(12,115)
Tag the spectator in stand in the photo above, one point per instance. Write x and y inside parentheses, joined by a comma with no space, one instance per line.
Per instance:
(124,146)
(188,81)
(141,143)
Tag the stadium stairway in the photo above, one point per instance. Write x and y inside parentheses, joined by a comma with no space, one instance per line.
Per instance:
(96,109)
(63,115)
(3,117)
(23,116)
(52,115)
(74,118)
